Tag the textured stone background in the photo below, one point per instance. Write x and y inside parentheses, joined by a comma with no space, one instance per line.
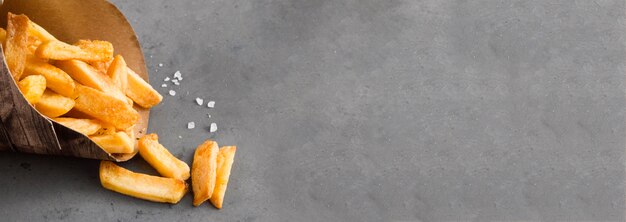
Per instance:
(372,110)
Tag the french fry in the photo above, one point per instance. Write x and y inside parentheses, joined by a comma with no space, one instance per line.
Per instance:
(88,76)
(105,107)
(140,91)
(86,50)
(161,159)
(225,160)
(32,88)
(119,142)
(106,130)
(85,126)
(101,66)
(39,32)
(56,79)
(16,44)
(147,187)
(204,171)
(118,73)
(53,105)
(3,36)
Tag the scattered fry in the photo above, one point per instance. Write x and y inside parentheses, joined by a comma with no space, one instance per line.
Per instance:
(85,126)
(16,44)
(161,159)
(204,171)
(32,88)
(225,160)
(147,187)
(53,105)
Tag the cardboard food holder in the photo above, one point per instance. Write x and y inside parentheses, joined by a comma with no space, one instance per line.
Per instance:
(24,129)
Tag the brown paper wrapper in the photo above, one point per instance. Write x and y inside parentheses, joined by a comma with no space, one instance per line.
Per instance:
(22,128)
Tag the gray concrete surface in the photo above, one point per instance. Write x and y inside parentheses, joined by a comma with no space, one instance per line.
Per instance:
(370,110)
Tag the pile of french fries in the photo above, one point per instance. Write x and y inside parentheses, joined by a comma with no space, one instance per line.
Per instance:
(86,87)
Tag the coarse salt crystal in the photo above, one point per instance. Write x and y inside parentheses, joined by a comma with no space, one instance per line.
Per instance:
(180,137)
(172,93)
(210,104)
(213,127)
(160,64)
(199,101)
(178,75)
(164,85)
(176,83)
(191,125)
(167,79)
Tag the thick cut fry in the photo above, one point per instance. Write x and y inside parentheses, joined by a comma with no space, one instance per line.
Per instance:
(86,50)
(119,142)
(32,88)
(147,187)
(204,171)
(53,105)
(106,130)
(88,76)
(39,32)
(141,92)
(101,66)
(117,72)
(56,79)
(84,126)
(105,107)
(225,160)
(161,159)
(16,44)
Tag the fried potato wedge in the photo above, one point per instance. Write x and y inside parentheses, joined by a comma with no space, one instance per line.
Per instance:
(56,79)
(16,44)
(40,33)
(84,50)
(204,171)
(89,76)
(32,88)
(105,107)
(85,126)
(118,73)
(225,160)
(118,142)
(147,187)
(140,91)
(53,105)
(161,159)
(101,66)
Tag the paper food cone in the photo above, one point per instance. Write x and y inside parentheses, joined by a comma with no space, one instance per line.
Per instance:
(24,129)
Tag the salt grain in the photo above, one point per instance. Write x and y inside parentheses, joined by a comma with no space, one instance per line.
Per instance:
(160,64)
(213,127)
(178,75)
(164,85)
(180,137)
(172,93)
(191,125)
(167,79)
(199,101)
(210,104)
(176,83)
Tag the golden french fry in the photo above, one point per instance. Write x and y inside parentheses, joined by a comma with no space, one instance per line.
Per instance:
(39,32)
(89,76)
(140,91)
(225,160)
(32,88)
(204,171)
(3,37)
(56,79)
(84,126)
(16,44)
(53,105)
(118,73)
(105,107)
(32,44)
(101,66)
(106,130)
(119,142)
(84,50)
(147,187)
(161,159)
